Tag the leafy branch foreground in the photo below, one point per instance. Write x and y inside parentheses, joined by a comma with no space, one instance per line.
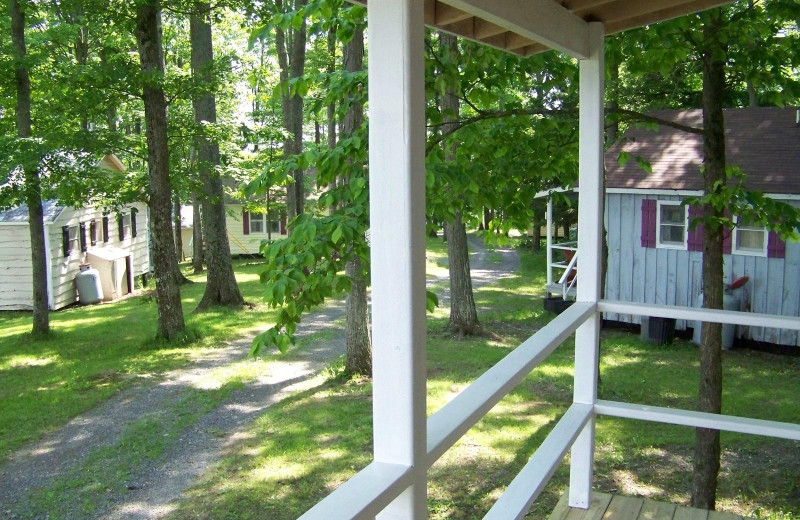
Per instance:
(305,446)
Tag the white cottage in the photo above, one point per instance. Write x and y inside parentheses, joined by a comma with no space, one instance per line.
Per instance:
(115,244)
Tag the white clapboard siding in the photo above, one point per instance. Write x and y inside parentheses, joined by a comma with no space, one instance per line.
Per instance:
(16,289)
(674,277)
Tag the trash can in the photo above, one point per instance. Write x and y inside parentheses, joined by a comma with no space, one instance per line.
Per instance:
(729,303)
(658,331)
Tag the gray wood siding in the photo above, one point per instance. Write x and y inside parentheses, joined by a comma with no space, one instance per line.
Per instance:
(674,277)
(16,289)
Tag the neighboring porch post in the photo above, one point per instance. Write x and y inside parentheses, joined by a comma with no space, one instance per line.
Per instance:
(590,229)
(549,243)
(397,234)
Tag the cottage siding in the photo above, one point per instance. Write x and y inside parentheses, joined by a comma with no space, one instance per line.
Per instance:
(16,290)
(674,277)
(64,269)
(240,243)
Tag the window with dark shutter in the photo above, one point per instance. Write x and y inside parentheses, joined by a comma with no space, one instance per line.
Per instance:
(65,241)
(283,225)
(93,233)
(82,231)
(133,222)
(121,228)
(105,228)
(246,222)
(649,223)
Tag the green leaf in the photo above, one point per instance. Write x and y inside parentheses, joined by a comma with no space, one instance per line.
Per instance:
(337,234)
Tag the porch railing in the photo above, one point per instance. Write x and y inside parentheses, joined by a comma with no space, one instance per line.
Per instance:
(377,485)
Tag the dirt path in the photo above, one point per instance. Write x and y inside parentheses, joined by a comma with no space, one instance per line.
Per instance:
(149,487)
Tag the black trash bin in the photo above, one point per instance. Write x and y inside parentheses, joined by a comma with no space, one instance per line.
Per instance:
(658,331)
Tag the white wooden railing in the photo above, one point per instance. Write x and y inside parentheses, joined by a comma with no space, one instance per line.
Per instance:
(369,491)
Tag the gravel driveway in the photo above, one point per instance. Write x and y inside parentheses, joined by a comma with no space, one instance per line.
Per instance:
(151,486)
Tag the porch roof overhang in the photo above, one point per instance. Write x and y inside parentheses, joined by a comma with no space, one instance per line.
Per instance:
(527,27)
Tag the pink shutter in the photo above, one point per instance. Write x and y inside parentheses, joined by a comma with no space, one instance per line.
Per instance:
(695,242)
(245,222)
(283,225)
(649,223)
(776,248)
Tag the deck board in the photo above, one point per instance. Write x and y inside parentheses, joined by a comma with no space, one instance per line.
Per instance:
(652,510)
(617,507)
(623,508)
(688,513)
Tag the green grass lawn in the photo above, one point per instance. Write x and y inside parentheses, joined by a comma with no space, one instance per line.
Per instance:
(94,352)
(304,447)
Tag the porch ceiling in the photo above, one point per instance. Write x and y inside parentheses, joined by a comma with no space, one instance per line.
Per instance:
(528,27)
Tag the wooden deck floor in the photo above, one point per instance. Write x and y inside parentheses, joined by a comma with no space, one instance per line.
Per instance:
(616,507)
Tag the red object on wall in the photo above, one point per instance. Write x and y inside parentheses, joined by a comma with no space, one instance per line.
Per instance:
(283,225)
(246,222)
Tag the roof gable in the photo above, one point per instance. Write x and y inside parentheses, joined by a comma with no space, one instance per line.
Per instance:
(763,142)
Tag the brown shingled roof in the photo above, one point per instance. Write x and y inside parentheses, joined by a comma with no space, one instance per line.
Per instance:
(763,142)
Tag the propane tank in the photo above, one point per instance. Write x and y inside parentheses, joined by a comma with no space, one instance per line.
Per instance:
(87,281)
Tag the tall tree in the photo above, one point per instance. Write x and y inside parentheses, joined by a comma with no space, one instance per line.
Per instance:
(290,40)
(33,192)
(463,315)
(221,287)
(357,332)
(148,34)
(707,443)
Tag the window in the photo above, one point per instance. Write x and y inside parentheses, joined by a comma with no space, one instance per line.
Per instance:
(257,223)
(124,222)
(275,226)
(69,236)
(94,233)
(749,239)
(671,226)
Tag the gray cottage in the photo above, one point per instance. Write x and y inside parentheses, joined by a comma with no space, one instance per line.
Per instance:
(655,258)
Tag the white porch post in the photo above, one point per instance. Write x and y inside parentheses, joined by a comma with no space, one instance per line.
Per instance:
(397,234)
(549,236)
(590,220)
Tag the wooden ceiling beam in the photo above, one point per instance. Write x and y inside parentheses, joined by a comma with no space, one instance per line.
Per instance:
(515,41)
(574,5)
(624,9)
(662,15)
(447,14)
(544,21)
(484,29)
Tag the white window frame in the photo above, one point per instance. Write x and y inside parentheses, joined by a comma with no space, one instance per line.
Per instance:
(258,218)
(126,226)
(659,245)
(735,239)
(74,240)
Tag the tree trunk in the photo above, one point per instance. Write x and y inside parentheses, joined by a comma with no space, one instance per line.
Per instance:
(292,59)
(148,35)
(178,236)
(536,236)
(707,443)
(463,315)
(197,236)
(357,336)
(33,189)
(221,287)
